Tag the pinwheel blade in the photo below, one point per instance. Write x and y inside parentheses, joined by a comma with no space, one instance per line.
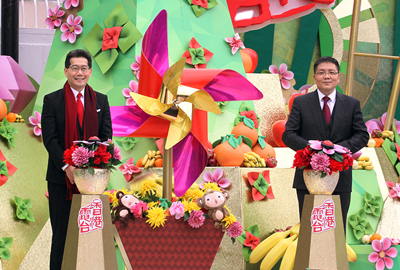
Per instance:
(203,101)
(172,77)
(178,129)
(150,105)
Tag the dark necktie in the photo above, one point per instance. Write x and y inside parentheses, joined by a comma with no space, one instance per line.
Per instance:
(79,106)
(325,110)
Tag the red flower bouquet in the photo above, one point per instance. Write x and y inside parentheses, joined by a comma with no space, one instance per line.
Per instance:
(324,157)
(93,154)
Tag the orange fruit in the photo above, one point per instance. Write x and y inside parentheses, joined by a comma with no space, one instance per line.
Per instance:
(242,129)
(3,109)
(376,236)
(265,153)
(159,162)
(11,117)
(226,155)
(139,162)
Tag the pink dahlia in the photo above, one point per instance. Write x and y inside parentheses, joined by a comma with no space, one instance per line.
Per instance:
(320,162)
(81,156)
(54,17)
(138,209)
(235,229)
(196,219)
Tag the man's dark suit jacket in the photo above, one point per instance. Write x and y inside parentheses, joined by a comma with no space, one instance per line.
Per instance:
(346,128)
(53,130)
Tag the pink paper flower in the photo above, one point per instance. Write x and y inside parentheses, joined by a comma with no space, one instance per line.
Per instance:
(320,162)
(133,88)
(68,3)
(81,156)
(54,17)
(235,43)
(318,145)
(215,177)
(71,28)
(394,189)
(117,153)
(196,219)
(380,123)
(138,209)
(136,66)
(177,209)
(129,169)
(235,230)
(284,75)
(395,241)
(36,123)
(382,249)
(197,55)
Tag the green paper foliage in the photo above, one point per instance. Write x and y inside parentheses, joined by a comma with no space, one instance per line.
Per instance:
(261,185)
(246,140)
(261,141)
(360,224)
(7,131)
(244,108)
(372,204)
(127,142)
(248,122)
(3,168)
(247,250)
(222,105)
(198,10)
(231,140)
(23,207)
(164,203)
(396,135)
(128,37)
(197,56)
(5,244)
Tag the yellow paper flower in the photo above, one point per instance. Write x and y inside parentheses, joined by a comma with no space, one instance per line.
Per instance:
(156,217)
(190,206)
(111,197)
(148,187)
(210,186)
(192,194)
(229,220)
(152,204)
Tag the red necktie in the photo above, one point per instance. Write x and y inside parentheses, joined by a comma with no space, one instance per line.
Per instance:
(325,110)
(79,106)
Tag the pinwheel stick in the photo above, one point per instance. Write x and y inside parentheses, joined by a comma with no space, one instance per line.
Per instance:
(167,173)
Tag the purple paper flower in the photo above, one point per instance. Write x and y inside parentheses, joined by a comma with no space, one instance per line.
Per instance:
(284,75)
(318,145)
(382,249)
(68,3)
(177,209)
(35,121)
(235,229)
(71,28)
(235,43)
(54,17)
(136,66)
(320,162)
(215,177)
(81,156)
(133,88)
(196,219)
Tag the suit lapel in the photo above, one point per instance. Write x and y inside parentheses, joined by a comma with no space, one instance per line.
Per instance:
(339,112)
(315,108)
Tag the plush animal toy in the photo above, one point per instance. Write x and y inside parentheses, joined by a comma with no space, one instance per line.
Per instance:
(123,209)
(214,202)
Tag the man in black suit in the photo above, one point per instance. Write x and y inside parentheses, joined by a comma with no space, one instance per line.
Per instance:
(75,112)
(344,125)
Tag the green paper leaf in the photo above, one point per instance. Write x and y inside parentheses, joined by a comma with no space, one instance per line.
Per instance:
(8,106)
(197,56)
(358,234)
(211,4)
(27,203)
(128,37)
(30,217)
(372,204)
(93,39)
(368,229)
(246,253)
(261,141)
(261,185)
(233,141)
(248,122)
(5,254)
(91,170)
(3,168)
(17,200)
(338,157)
(106,59)
(7,241)
(217,142)
(8,132)
(391,154)
(222,105)
(396,135)
(22,213)
(233,240)
(129,142)
(186,216)
(117,17)
(198,10)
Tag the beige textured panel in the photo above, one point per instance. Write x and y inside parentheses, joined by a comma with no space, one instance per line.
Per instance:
(389,225)
(367,31)
(38,256)
(360,91)
(337,34)
(345,8)
(271,107)
(389,172)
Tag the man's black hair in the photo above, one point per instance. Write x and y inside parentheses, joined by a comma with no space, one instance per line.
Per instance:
(326,59)
(78,53)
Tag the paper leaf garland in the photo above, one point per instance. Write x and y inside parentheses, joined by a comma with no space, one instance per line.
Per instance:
(249,237)
(23,207)
(7,131)
(5,244)
(120,34)
(360,224)
(372,204)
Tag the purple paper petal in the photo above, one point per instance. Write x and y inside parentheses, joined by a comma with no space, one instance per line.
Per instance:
(397,124)
(374,124)
(357,154)
(127,119)
(383,118)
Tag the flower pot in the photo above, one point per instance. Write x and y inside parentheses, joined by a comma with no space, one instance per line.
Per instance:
(91,184)
(174,246)
(320,186)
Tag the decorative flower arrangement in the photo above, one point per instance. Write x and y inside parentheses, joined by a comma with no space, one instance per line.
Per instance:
(324,157)
(54,17)
(71,29)
(93,154)
(394,189)
(196,55)
(36,123)
(284,75)
(383,252)
(235,43)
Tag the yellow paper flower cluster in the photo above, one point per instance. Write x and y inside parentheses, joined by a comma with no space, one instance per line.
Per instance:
(190,206)
(156,217)
(210,186)
(192,194)
(148,187)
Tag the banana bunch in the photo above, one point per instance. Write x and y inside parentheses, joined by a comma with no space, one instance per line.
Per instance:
(276,246)
(364,163)
(19,119)
(251,159)
(150,158)
(388,134)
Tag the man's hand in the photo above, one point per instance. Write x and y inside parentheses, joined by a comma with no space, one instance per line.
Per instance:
(70,174)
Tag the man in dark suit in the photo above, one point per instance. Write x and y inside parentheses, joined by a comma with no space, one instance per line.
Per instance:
(75,112)
(341,122)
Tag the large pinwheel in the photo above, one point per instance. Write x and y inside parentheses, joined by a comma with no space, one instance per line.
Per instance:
(172,103)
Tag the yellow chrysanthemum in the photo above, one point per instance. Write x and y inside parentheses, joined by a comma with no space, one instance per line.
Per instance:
(152,204)
(210,186)
(111,197)
(229,220)
(156,217)
(192,194)
(190,206)
(149,186)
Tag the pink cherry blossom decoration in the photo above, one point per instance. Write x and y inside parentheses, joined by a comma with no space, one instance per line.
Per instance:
(235,43)
(284,75)
(68,3)
(382,253)
(136,66)
(133,88)
(71,28)
(129,169)
(216,177)
(36,123)
(54,17)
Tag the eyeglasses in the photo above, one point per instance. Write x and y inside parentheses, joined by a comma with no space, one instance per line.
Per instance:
(329,72)
(84,69)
